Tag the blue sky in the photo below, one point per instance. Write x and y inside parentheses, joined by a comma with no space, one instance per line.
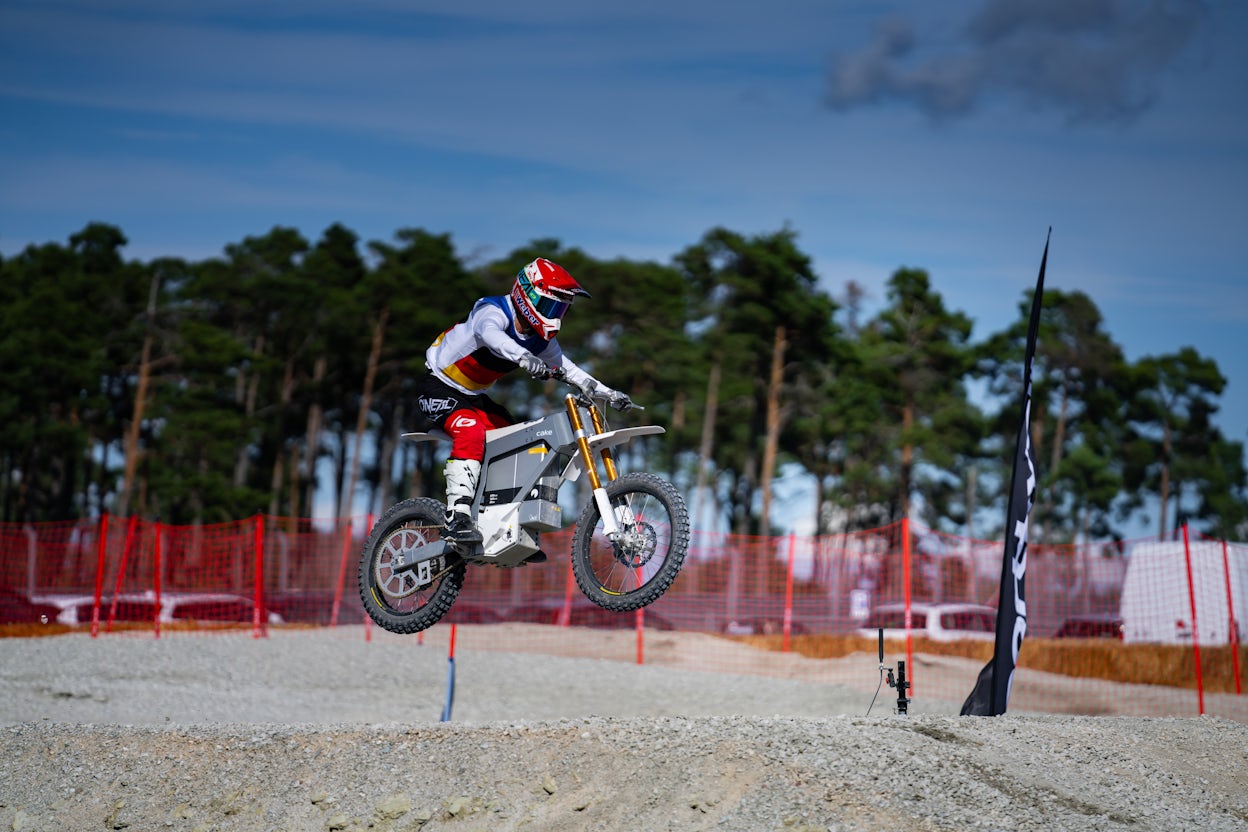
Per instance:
(947,136)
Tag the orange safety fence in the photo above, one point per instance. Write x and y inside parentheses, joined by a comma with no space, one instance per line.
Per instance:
(1145,627)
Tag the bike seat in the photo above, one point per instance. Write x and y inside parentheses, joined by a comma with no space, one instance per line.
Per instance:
(434,434)
(430,435)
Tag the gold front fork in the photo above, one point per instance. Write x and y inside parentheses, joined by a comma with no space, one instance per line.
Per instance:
(610,522)
(608,460)
(582,442)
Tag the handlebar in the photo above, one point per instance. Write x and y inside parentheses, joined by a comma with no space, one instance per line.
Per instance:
(585,394)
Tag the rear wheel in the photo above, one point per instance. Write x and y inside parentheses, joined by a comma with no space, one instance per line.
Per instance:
(639,566)
(408,600)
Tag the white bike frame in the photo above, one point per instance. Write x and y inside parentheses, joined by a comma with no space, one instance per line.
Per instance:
(525,464)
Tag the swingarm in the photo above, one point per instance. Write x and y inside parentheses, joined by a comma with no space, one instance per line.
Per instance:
(424,560)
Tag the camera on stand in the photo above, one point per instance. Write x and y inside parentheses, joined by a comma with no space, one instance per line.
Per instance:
(897,682)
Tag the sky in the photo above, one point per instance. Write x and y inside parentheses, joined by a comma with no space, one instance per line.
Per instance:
(944,136)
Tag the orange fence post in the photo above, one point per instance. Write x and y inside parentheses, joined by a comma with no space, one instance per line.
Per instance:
(158,567)
(565,612)
(259,619)
(121,571)
(641,628)
(101,546)
(342,575)
(905,570)
(1232,637)
(788,598)
(1191,597)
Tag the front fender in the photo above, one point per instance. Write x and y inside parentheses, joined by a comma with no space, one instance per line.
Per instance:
(618,437)
(609,439)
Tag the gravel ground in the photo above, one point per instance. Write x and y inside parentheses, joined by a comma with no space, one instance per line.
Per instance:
(310,730)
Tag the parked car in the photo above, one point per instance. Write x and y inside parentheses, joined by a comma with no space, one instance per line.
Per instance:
(67,607)
(938,622)
(174,606)
(211,606)
(17,608)
(1091,626)
(583,613)
(128,609)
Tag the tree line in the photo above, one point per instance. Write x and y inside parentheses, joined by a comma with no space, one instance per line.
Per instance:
(207,391)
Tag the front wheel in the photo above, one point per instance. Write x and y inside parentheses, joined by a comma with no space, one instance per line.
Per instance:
(638,567)
(408,600)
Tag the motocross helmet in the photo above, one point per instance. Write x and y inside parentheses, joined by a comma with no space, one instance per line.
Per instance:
(542,293)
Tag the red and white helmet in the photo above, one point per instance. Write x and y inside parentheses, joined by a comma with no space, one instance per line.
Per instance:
(542,293)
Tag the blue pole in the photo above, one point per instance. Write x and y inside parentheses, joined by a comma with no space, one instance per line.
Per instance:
(450,679)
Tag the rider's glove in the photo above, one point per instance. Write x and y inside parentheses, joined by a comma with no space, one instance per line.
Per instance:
(535,366)
(619,400)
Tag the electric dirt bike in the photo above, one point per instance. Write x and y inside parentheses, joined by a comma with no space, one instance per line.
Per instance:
(628,546)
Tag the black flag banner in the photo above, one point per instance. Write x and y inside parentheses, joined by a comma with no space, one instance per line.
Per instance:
(991,693)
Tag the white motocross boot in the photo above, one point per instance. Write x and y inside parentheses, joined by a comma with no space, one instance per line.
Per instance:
(461,489)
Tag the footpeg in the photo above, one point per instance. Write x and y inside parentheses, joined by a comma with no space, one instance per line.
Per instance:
(460,530)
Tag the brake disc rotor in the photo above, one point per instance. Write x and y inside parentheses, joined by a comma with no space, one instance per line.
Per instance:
(637,545)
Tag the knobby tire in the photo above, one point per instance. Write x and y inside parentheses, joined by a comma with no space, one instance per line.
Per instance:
(637,571)
(396,603)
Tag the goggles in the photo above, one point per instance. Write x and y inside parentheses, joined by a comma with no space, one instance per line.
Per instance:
(544,305)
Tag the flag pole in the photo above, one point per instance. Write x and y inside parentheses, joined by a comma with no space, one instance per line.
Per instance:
(991,694)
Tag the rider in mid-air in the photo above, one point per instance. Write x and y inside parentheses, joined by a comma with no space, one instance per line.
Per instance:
(501,333)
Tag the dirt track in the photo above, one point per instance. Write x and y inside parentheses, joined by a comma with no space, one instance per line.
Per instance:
(315,731)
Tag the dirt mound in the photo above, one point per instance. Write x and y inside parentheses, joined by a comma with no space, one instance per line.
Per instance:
(314,731)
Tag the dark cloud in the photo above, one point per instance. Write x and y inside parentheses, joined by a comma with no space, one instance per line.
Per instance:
(1093,60)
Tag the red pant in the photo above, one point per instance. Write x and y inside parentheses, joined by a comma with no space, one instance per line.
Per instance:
(465,418)
(467,427)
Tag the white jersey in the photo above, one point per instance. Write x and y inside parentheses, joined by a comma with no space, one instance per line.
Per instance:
(477,351)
